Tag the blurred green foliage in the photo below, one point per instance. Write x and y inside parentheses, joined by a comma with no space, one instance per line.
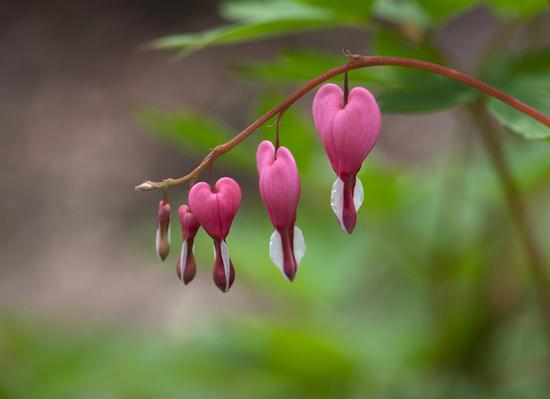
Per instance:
(398,28)
(429,298)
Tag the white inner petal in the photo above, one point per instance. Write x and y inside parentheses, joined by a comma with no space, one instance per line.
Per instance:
(157,242)
(358,194)
(337,201)
(276,250)
(299,245)
(183,258)
(226,264)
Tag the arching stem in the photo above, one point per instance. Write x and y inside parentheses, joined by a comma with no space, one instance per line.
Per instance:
(355,62)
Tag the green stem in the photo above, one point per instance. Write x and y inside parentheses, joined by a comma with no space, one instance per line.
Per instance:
(517,209)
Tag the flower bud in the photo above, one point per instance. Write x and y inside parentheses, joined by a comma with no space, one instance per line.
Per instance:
(187,268)
(163,230)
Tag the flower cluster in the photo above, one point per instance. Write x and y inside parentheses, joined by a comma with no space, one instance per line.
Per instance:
(348,125)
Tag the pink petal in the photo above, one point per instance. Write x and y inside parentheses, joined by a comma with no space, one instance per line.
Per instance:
(189,223)
(348,133)
(279,183)
(216,209)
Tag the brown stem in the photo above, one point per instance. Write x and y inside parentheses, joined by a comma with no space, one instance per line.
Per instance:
(517,209)
(346,87)
(277,126)
(355,62)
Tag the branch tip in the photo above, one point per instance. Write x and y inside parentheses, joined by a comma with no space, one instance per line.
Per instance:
(145,186)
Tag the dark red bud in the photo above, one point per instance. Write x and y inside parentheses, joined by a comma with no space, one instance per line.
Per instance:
(163,230)
(290,266)
(187,273)
(222,278)
(349,213)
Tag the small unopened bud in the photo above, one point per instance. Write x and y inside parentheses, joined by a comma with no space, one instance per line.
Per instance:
(187,267)
(146,186)
(163,230)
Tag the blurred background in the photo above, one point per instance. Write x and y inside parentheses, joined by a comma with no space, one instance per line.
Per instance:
(431,297)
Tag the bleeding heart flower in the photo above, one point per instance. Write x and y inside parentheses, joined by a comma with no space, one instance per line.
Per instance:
(162,242)
(187,268)
(280,192)
(349,132)
(215,209)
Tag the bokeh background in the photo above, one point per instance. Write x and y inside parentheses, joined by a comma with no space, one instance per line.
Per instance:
(431,297)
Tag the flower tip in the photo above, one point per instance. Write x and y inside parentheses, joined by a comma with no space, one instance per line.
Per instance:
(290,275)
(187,275)
(350,220)
(223,272)
(186,268)
(163,252)
(220,280)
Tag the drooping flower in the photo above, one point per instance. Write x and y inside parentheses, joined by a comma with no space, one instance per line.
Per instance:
(280,192)
(162,242)
(187,268)
(215,207)
(348,132)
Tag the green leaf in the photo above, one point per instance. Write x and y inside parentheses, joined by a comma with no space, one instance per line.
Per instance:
(255,20)
(193,131)
(189,42)
(353,8)
(412,90)
(441,11)
(536,62)
(526,78)
(402,12)
(271,10)
(531,90)
(429,94)
(515,8)
(402,90)
(416,91)
(389,42)
(300,66)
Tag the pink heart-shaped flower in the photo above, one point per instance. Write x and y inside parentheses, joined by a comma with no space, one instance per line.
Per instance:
(348,132)
(280,192)
(215,208)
